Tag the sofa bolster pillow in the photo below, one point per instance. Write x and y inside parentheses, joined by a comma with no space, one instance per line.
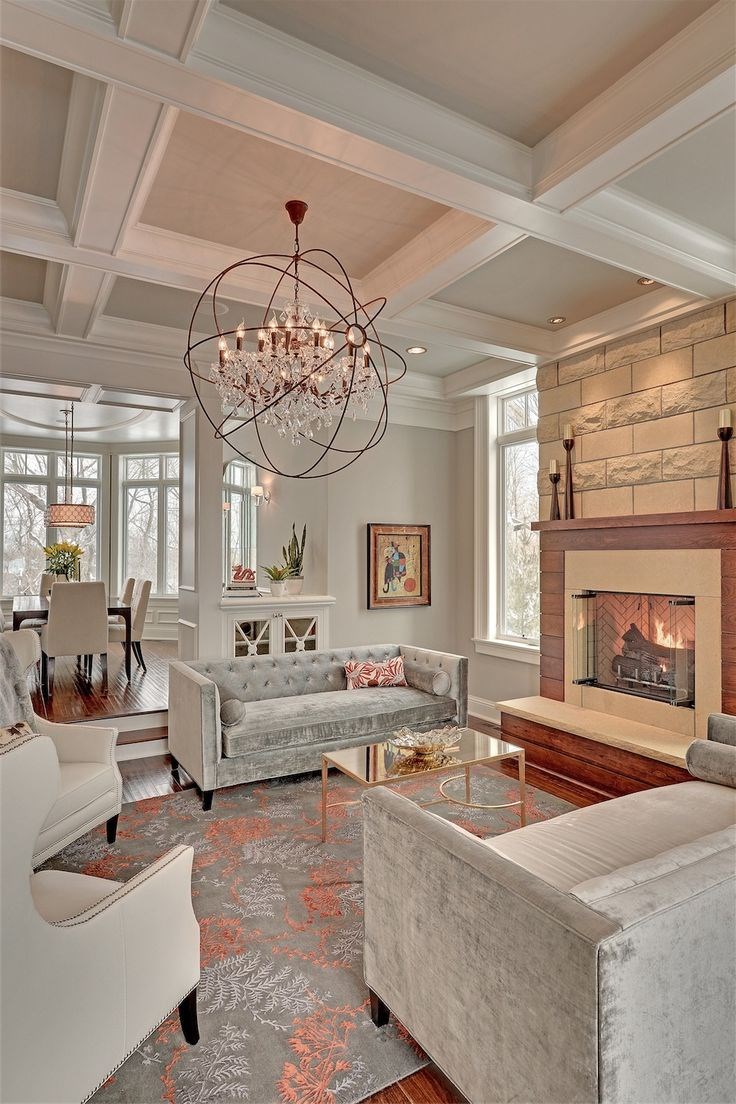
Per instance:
(232,711)
(430,679)
(712,762)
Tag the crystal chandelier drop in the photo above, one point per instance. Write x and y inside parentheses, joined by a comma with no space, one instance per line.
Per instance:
(302,376)
(69,514)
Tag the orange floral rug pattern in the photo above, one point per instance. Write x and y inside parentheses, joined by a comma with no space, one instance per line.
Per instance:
(283,1008)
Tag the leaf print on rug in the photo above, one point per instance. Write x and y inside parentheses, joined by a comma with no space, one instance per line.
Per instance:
(283,1008)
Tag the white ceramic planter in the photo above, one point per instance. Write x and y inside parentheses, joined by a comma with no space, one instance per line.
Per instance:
(278,588)
(294,586)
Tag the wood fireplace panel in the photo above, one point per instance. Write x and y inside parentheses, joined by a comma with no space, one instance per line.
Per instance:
(707,529)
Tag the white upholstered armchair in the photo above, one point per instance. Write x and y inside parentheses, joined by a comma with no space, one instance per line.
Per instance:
(90,787)
(90,967)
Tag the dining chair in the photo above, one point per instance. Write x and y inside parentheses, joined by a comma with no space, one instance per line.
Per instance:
(77,625)
(139,607)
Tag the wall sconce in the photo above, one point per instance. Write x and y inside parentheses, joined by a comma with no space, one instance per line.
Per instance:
(259,495)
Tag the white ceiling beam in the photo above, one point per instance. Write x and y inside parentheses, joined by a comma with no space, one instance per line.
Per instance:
(678,88)
(184,22)
(449,249)
(629,213)
(474,332)
(84,41)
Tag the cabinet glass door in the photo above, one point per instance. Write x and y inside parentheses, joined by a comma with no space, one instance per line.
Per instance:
(300,634)
(252,637)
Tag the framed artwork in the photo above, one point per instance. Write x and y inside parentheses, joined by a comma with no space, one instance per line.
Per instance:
(399,571)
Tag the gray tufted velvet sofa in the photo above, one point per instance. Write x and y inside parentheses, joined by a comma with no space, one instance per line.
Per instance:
(589,958)
(285,711)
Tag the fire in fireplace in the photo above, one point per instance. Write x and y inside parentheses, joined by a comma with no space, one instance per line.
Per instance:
(642,644)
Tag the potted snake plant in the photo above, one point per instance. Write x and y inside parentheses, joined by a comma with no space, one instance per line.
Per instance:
(293,554)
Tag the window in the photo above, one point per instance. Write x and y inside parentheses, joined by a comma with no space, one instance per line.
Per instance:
(31,479)
(239,517)
(518,506)
(150,519)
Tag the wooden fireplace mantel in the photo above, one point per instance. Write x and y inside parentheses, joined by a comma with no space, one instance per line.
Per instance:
(637,521)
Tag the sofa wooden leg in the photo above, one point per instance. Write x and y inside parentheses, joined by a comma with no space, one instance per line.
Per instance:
(112,828)
(50,664)
(175,768)
(188,1018)
(103,664)
(207,799)
(379,1011)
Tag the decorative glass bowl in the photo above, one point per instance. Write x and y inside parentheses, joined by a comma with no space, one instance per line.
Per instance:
(426,743)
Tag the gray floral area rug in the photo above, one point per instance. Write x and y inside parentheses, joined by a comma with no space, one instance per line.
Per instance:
(283,1008)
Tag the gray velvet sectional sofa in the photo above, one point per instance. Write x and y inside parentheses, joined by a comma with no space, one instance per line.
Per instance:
(591,957)
(283,711)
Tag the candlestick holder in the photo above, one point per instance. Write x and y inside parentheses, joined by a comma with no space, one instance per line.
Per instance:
(725,497)
(554,510)
(569,445)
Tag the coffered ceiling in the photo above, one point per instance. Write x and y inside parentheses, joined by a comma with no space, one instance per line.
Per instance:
(498,62)
(481,164)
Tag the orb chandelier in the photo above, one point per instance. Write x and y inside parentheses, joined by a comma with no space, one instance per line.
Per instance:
(311,367)
(69,514)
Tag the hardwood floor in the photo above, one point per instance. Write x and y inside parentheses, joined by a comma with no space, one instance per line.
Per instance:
(76,699)
(151,777)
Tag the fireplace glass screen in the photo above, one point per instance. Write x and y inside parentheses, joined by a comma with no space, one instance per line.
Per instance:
(641,644)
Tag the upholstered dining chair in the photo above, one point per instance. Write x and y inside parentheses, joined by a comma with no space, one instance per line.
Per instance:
(90,787)
(77,625)
(90,967)
(139,608)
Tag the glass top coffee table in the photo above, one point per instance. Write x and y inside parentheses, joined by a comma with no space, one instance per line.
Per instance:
(384,764)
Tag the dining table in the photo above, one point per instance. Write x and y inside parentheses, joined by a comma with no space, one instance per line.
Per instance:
(32,607)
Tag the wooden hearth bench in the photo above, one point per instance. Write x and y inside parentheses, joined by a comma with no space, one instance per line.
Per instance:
(591,755)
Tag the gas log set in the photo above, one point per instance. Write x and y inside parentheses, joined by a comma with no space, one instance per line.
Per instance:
(641,644)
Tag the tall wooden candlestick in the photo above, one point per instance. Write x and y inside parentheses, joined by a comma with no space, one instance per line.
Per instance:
(725,497)
(569,445)
(554,510)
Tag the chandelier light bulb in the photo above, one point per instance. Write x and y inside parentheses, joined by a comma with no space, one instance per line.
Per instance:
(240,335)
(222,346)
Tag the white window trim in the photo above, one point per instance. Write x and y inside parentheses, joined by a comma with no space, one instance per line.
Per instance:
(486,528)
(163,483)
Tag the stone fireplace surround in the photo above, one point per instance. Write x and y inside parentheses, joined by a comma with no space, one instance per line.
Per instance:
(604,743)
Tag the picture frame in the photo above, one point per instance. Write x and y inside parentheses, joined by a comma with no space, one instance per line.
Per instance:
(399,565)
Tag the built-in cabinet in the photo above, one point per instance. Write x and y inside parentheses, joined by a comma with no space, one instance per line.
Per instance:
(276,626)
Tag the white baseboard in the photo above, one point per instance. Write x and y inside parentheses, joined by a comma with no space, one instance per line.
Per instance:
(143,750)
(486,710)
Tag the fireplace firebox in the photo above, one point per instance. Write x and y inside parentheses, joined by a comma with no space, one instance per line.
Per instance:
(641,644)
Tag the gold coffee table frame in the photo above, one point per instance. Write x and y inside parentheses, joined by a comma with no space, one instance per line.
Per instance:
(366,765)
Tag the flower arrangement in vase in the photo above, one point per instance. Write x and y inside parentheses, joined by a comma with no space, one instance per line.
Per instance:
(293,554)
(63,558)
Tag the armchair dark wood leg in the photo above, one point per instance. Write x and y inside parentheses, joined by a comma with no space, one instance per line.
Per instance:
(103,664)
(88,666)
(175,768)
(207,799)
(50,664)
(188,1018)
(112,828)
(380,1012)
(44,675)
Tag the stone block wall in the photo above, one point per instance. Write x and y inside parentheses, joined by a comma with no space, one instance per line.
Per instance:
(645,412)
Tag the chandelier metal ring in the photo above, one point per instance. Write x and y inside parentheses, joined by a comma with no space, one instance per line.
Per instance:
(307,376)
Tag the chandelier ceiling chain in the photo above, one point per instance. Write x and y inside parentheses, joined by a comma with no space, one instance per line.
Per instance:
(69,514)
(305,374)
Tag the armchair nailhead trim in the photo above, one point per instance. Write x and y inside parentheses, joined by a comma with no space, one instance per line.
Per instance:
(73,921)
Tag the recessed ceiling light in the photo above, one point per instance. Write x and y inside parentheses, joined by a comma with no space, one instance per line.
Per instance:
(645,281)
(557,320)
(416,350)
